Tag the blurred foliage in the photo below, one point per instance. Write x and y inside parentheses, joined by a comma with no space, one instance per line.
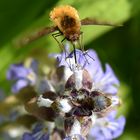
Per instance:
(119,46)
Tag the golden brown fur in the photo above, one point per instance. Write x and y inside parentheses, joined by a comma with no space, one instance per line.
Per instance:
(66,18)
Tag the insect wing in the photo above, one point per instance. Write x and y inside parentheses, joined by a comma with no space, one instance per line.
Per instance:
(38,34)
(90,21)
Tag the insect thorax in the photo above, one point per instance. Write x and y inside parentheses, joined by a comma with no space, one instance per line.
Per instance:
(68,22)
(70,27)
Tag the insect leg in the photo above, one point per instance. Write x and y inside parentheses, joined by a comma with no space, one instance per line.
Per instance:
(80,42)
(55,35)
(86,53)
(63,40)
(74,51)
(66,53)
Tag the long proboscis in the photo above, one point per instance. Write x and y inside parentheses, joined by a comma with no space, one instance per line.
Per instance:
(91,21)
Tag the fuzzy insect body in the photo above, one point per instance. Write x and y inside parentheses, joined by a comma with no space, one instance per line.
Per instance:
(67,20)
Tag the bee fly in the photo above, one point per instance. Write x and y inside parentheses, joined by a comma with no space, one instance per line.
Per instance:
(68,24)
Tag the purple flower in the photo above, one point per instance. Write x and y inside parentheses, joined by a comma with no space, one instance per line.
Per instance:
(105,128)
(75,137)
(87,91)
(105,81)
(22,75)
(36,134)
(108,127)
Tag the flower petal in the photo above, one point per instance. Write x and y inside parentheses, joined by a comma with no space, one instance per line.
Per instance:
(27,136)
(17,71)
(19,85)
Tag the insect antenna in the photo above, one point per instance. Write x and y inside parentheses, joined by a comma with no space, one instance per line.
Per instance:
(80,41)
